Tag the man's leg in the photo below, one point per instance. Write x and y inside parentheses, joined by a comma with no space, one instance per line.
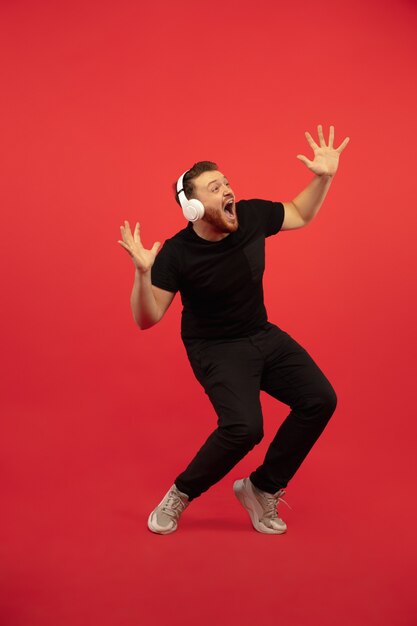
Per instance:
(291,376)
(230,373)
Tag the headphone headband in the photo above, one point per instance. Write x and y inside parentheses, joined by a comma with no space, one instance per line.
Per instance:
(180,187)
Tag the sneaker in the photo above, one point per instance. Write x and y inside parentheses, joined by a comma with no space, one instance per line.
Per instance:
(261,506)
(164,519)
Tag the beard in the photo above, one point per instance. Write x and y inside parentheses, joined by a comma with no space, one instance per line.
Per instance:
(218,220)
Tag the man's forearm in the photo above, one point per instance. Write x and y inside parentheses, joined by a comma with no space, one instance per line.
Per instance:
(309,201)
(142,301)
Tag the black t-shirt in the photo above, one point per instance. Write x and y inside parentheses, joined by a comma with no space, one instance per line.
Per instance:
(220,282)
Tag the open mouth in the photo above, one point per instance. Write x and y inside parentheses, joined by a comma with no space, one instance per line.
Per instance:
(229,209)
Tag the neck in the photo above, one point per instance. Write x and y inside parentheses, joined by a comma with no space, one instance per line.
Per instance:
(208,232)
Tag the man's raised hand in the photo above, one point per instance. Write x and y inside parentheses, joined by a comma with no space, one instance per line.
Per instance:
(326,158)
(143,259)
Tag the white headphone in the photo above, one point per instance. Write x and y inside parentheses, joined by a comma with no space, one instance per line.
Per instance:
(193,209)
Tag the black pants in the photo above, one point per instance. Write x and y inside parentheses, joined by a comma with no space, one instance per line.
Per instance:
(232,373)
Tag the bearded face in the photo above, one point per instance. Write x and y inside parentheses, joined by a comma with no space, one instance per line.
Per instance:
(223,220)
(214,191)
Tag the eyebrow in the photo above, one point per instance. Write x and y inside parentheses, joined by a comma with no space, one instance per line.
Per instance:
(216,180)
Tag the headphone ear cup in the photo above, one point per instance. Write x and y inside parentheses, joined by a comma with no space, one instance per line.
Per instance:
(193,210)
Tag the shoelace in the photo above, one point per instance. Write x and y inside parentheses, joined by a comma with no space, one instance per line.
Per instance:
(271,502)
(174,505)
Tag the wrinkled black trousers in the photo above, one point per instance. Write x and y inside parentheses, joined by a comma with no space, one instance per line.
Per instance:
(232,373)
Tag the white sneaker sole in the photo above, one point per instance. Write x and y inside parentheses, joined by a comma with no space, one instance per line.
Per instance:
(156,528)
(244,493)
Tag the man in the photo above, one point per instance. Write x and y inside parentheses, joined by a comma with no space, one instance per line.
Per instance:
(217,264)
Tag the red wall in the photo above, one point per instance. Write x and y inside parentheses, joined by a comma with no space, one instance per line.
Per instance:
(103,105)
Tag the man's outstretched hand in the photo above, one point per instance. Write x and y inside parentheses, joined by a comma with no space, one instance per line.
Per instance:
(326,158)
(143,259)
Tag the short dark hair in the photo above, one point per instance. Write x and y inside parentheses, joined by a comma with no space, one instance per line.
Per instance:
(187,182)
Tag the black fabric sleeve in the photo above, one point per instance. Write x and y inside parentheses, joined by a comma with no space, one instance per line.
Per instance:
(165,270)
(271,215)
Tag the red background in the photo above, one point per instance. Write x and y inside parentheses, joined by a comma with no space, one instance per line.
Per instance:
(103,105)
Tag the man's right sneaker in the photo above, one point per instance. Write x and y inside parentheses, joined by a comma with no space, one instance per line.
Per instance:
(261,506)
(164,518)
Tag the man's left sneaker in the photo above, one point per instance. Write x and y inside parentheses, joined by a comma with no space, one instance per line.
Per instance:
(261,506)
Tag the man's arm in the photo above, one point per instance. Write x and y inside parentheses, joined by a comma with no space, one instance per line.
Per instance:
(300,211)
(305,206)
(148,303)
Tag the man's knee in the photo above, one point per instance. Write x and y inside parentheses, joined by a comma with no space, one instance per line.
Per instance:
(244,435)
(319,406)
(327,402)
